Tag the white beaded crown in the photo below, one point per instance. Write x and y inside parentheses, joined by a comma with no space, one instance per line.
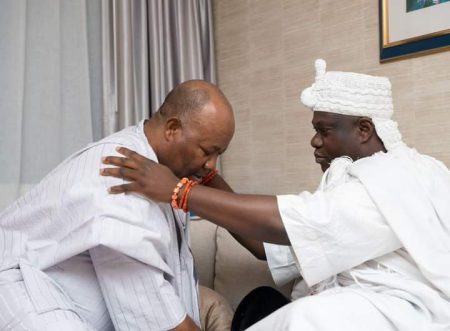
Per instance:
(350,93)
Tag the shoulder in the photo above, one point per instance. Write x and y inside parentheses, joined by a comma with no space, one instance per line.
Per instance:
(86,162)
(399,160)
(131,137)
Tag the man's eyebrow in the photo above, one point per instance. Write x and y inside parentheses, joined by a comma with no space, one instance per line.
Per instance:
(214,147)
(220,150)
(324,123)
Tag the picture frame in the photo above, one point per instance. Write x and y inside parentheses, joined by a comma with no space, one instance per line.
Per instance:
(410,28)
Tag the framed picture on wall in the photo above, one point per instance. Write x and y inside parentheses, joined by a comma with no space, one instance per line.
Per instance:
(413,27)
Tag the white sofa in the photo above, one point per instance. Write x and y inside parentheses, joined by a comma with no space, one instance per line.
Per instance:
(225,266)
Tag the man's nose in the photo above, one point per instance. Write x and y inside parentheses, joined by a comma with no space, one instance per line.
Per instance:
(316,141)
(212,162)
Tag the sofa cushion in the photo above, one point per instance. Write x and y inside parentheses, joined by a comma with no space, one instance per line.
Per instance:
(203,246)
(215,312)
(237,271)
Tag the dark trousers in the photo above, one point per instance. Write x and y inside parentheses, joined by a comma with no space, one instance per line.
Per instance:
(256,305)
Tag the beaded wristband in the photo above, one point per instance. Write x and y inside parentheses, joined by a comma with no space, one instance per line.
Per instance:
(184,198)
(176,190)
(209,177)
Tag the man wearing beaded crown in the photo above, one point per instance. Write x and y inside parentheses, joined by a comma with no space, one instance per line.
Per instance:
(74,257)
(372,244)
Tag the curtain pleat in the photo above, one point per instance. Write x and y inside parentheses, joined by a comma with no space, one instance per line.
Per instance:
(181,45)
(75,71)
(45,105)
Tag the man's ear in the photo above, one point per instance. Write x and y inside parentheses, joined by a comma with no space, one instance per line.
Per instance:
(172,127)
(366,129)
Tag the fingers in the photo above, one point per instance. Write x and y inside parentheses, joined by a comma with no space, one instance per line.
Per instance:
(120,162)
(138,158)
(125,151)
(124,188)
(123,173)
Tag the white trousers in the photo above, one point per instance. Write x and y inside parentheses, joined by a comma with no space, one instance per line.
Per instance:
(343,310)
(66,297)
(18,313)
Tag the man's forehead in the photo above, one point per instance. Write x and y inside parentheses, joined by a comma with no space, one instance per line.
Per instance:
(322,117)
(212,135)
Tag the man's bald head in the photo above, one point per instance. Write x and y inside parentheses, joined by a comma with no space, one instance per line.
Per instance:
(192,128)
(188,99)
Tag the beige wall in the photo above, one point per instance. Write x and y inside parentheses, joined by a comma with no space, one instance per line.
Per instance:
(265,53)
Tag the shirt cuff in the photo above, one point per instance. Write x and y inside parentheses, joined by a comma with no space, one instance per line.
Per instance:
(281,263)
(309,254)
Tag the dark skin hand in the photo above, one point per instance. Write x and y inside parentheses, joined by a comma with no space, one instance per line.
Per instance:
(255,217)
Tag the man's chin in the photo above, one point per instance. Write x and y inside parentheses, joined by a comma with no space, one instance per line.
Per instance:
(324,166)
(323,162)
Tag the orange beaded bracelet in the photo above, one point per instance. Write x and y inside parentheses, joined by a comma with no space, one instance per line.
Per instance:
(176,190)
(184,198)
(209,177)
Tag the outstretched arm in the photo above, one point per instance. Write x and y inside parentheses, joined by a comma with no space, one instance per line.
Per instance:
(255,247)
(250,216)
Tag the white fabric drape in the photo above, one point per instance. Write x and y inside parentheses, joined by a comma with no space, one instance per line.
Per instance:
(124,63)
(148,48)
(181,45)
(75,71)
(45,106)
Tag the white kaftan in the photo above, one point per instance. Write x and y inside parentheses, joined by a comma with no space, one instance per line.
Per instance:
(74,256)
(358,265)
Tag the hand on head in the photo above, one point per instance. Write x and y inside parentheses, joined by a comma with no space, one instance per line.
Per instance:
(147,177)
